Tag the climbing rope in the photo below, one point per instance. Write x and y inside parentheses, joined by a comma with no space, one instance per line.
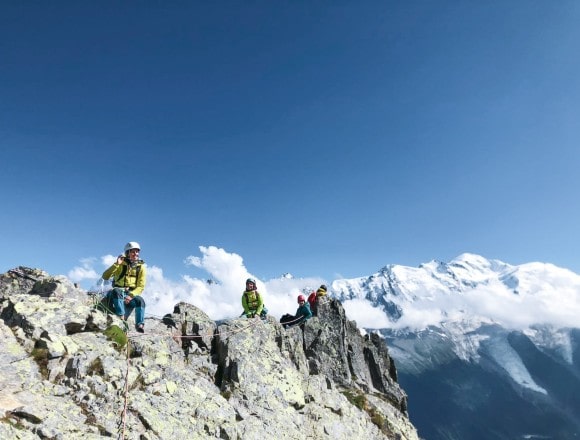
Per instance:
(98,294)
(98,304)
(126,399)
(128,357)
(191,336)
(293,322)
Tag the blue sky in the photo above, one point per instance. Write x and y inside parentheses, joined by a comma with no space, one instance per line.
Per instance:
(324,139)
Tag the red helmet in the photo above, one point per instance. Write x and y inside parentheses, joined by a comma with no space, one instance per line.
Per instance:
(301,298)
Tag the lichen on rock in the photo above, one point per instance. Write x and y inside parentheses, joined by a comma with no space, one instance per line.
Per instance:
(67,375)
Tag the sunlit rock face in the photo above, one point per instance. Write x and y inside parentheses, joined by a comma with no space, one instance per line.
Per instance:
(69,371)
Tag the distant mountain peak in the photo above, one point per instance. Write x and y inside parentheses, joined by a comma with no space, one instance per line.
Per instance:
(474,320)
(470,258)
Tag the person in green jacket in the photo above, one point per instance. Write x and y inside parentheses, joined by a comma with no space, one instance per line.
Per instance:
(252,301)
(128,273)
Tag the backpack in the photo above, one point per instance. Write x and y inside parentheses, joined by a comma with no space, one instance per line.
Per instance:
(286,318)
(312,300)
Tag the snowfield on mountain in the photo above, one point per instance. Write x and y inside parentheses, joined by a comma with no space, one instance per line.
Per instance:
(472,333)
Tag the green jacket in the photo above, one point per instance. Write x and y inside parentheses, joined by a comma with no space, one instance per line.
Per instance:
(252,302)
(125,275)
(303,312)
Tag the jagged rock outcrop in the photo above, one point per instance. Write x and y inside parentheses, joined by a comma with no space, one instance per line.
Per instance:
(66,373)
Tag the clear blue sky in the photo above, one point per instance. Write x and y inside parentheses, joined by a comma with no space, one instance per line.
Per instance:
(325,139)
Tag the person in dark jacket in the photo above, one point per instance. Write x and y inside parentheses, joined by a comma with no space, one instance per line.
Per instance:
(303,313)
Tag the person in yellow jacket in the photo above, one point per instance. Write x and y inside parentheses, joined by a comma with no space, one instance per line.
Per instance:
(252,301)
(128,274)
(314,298)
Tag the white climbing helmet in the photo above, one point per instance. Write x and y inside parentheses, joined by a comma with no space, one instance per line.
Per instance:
(132,245)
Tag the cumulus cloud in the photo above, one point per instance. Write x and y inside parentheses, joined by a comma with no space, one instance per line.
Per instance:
(83,272)
(418,317)
(365,314)
(549,296)
(556,304)
(219,295)
(108,260)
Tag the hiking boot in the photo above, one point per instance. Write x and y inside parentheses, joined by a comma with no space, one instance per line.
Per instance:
(141,328)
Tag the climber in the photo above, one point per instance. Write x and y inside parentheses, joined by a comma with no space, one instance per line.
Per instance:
(128,274)
(252,301)
(314,298)
(303,313)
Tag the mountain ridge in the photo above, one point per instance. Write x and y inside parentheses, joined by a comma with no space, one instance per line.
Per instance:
(472,320)
(69,371)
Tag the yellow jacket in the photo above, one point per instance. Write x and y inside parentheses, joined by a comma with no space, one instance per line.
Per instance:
(252,302)
(127,275)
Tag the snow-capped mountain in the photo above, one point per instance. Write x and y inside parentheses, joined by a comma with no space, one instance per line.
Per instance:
(473,334)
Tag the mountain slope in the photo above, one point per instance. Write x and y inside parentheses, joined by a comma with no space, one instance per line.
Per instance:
(484,349)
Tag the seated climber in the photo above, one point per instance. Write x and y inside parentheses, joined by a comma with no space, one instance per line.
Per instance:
(314,298)
(252,301)
(303,313)
(128,274)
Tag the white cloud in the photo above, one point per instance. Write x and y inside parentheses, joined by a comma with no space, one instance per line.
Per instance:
(365,314)
(418,317)
(548,297)
(84,272)
(221,297)
(108,260)
(558,306)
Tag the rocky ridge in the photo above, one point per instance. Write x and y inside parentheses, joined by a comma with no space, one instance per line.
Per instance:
(67,372)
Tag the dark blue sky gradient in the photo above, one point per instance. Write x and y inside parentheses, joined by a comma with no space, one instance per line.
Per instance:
(321,139)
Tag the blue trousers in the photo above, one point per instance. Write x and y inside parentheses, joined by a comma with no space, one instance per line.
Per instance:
(117,297)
